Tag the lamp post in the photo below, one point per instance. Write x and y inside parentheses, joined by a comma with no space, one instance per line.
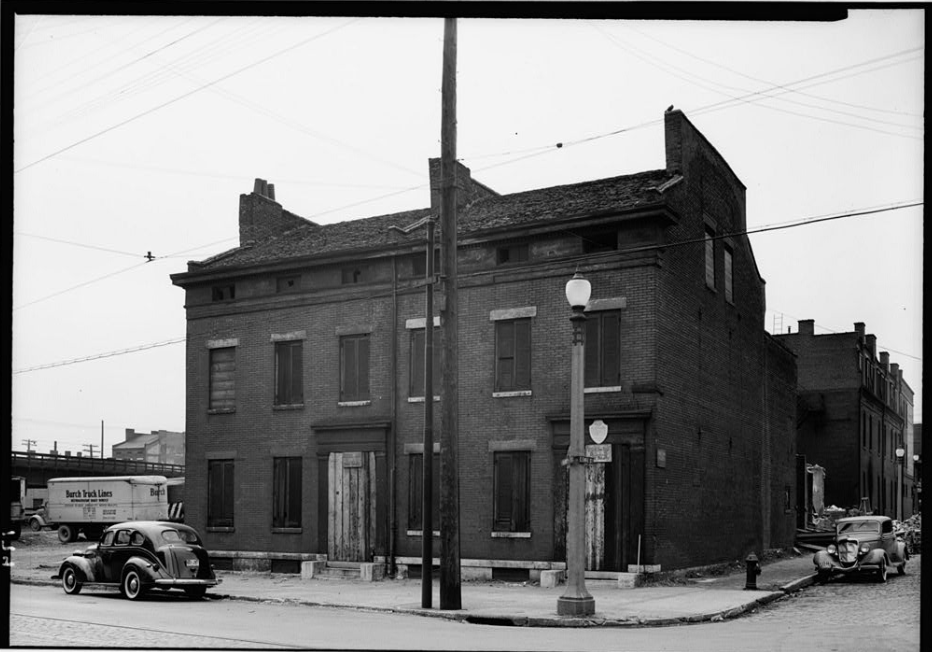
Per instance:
(576,600)
(900,452)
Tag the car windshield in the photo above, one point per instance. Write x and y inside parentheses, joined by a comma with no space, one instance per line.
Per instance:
(858,526)
(179,536)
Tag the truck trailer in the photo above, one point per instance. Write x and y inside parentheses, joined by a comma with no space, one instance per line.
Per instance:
(88,505)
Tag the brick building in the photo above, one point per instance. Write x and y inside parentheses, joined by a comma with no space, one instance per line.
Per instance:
(158,446)
(305,376)
(854,411)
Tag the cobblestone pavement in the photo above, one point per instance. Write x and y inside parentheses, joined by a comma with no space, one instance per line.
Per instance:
(29,631)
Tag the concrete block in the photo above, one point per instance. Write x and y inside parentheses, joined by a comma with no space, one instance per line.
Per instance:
(401,571)
(476,573)
(372,572)
(552,578)
(311,568)
(644,568)
(252,565)
(629,580)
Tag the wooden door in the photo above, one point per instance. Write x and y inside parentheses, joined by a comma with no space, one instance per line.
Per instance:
(351,506)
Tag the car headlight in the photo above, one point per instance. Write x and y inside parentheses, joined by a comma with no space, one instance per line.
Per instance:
(831,549)
(864,549)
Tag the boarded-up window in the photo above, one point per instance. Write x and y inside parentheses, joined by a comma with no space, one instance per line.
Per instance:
(289,382)
(729,280)
(223,378)
(710,258)
(512,492)
(220,498)
(603,349)
(515,253)
(286,492)
(354,368)
(512,355)
(416,386)
(416,492)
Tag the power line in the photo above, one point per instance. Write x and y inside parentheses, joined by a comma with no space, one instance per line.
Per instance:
(76,244)
(98,356)
(183,96)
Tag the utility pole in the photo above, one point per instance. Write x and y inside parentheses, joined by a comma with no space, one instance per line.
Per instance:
(101,439)
(29,443)
(90,449)
(450,586)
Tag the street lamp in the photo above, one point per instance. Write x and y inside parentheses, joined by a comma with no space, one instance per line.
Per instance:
(576,600)
(900,452)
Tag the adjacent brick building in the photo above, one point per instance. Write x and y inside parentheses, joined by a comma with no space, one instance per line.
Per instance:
(158,447)
(854,411)
(305,371)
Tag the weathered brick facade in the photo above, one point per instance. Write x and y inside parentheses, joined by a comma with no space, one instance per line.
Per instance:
(700,426)
(854,410)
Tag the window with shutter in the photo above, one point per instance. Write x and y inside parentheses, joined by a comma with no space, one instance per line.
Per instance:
(354,368)
(416,375)
(710,258)
(286,492)
(416,493)
(603,349)
(289,384)
(512,355)
(222,379)
(729,280)
(220,498)
(511,492)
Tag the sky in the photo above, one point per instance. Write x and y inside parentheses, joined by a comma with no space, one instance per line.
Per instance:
(134,137)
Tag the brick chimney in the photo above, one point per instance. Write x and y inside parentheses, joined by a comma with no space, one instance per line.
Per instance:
(872,345)
(859,328)
(885,360)
(807,327)
(261,217)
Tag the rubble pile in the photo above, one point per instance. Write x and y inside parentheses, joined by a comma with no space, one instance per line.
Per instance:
(912,532)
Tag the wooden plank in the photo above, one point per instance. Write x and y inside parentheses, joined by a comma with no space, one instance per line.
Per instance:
(595,516)
(373,507)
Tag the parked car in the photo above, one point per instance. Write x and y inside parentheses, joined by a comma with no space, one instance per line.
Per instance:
(863,544)
(37,520)
(138,556)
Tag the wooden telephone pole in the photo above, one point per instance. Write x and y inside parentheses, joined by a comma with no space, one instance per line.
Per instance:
(450,593)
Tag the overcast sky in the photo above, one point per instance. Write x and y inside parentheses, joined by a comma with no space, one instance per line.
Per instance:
(136,135)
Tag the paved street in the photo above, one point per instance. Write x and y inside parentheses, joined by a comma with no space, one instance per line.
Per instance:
(849,615)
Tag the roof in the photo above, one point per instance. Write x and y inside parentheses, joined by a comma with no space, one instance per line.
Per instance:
(543,206)
(139,441)
(132,479)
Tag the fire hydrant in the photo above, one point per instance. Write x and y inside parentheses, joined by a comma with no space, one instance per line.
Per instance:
(753,570)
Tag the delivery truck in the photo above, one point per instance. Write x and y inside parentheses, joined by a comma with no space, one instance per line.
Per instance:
(17,509)
(88,505)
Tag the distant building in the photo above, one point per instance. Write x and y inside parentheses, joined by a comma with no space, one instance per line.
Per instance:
(159,446)
(305,377)
(853,411)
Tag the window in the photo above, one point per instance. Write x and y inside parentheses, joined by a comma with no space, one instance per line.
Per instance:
(416,492)
(220,498)
(419,264)
(603,349)
(122,538)
(729,280)
(352,275)
(512,489)
(286,492)
(287,283)
(599,241)
(223,292)
(223,379)
(289,383)
(354,368)
(108,539)
(416,385)
(710,258)
(512,355)
(516,253)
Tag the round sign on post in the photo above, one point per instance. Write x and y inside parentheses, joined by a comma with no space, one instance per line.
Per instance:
(598,430)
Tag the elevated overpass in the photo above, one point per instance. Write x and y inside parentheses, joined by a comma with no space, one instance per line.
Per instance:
(37,468)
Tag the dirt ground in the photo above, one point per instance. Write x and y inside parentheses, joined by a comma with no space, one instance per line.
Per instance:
(37,555)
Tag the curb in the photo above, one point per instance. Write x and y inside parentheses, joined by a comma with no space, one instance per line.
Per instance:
(516,621)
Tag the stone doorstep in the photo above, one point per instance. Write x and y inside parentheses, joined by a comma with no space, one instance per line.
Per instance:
(365,571)
(553,578)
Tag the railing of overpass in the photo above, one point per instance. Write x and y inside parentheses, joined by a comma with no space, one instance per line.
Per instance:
(80,465)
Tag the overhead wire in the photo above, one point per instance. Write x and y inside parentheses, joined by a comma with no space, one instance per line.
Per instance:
(183,96)
(639,249)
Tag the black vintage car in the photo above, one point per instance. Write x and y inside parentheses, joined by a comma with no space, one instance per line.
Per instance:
(863,544)
(141,555)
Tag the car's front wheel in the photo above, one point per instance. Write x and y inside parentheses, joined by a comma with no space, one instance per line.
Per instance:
(35,525)
(70,581)
(132,585)
(882,571)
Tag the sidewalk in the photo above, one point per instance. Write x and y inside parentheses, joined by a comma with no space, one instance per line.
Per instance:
(673,599)
(711,598)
